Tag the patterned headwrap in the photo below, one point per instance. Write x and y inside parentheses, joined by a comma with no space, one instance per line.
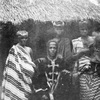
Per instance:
(58,23)
(83,24)
(22,33)
(48,43)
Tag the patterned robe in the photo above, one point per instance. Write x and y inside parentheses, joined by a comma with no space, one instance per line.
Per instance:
(52,78)
(89,83)
(18,71)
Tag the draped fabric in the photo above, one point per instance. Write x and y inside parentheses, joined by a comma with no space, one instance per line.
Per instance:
(89,87)
(89,83)
(17,75)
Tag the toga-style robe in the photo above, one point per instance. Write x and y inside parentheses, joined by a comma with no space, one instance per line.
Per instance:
(18,72)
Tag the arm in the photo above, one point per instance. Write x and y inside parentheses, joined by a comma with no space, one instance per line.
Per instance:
(75,57)
(71,46)
(30,52)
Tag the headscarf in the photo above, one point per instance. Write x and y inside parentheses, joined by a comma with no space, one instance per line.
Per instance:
(58,24)
(22,33)
(48,43)
(83,24)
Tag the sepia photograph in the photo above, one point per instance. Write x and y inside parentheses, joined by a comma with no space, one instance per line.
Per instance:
(49,49)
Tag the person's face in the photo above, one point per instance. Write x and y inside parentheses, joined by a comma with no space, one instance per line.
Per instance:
(52,49)
(83,31)
(23,40)
(59,30)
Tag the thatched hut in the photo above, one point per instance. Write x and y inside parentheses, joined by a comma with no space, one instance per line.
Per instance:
(48,10)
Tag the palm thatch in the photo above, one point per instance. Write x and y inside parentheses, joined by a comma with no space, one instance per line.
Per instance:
(48,10)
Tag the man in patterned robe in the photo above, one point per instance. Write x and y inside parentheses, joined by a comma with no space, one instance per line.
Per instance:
(52,80)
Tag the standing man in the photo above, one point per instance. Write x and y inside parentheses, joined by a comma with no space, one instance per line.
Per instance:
(64,44)
(50,84)
(65,50)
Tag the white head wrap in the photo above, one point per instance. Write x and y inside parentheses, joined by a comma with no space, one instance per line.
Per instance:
(22,33)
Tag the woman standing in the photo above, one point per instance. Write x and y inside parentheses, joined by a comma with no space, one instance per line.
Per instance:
(19,69)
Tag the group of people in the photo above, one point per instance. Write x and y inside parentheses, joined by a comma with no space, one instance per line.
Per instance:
(69,70)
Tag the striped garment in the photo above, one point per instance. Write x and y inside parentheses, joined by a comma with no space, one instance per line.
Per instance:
(89,87)
(17,75)
(89,84)
(77,47)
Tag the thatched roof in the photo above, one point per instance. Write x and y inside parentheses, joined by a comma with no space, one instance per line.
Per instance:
(48,10)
